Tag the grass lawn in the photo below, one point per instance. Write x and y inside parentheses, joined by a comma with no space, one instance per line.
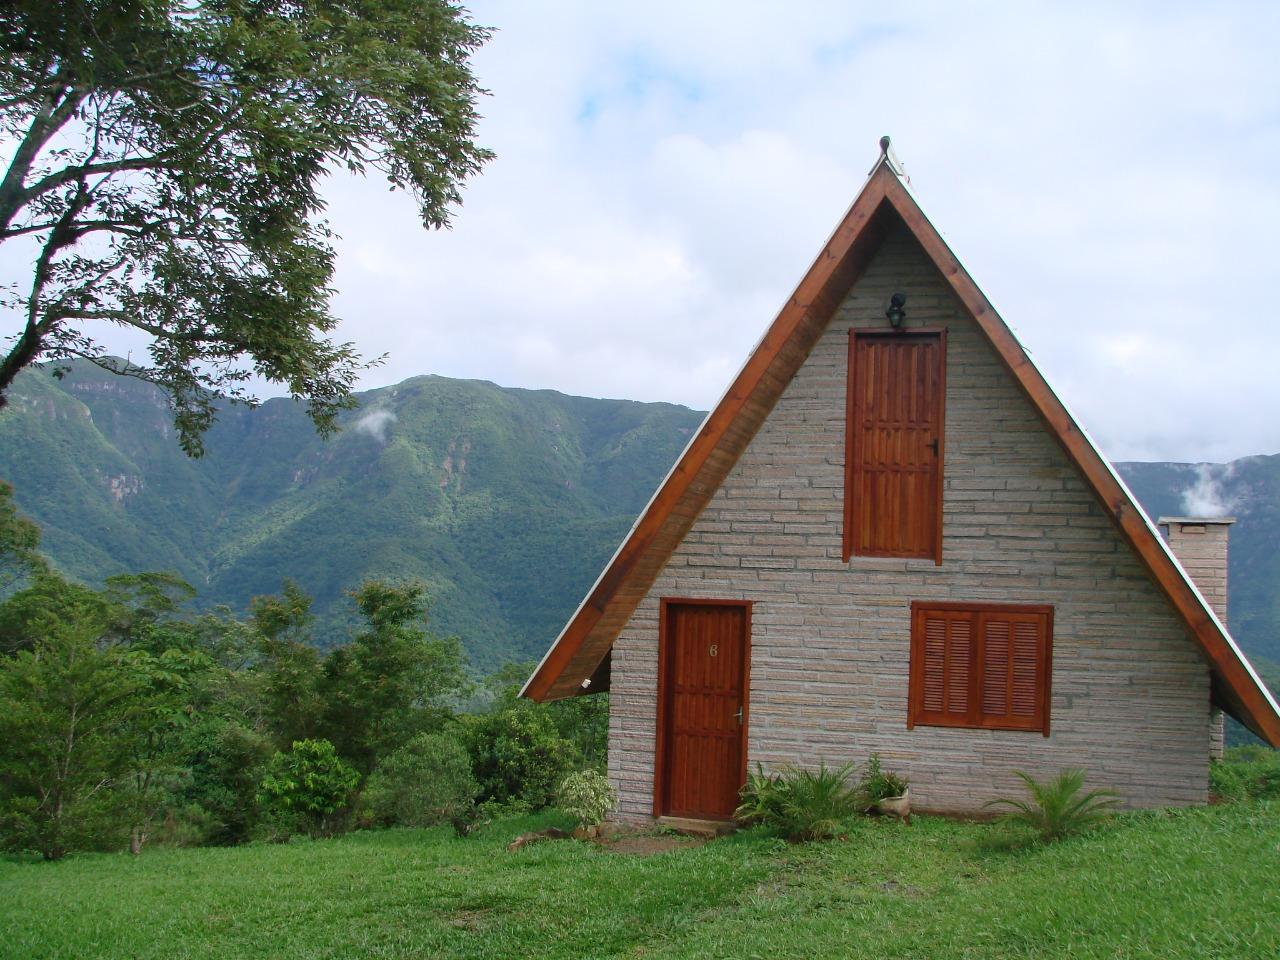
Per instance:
(1194,884)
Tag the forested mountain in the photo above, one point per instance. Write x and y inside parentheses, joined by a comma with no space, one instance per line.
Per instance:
(505,502)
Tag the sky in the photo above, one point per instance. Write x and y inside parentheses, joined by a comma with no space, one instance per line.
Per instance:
(666,172)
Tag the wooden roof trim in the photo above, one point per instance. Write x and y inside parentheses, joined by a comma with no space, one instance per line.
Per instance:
(682,494)
(808,294)
(1244,691)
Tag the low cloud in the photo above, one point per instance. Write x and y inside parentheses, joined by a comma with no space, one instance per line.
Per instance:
(1206,497)
(375,424)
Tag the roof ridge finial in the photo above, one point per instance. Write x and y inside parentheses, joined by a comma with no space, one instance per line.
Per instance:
(888,156)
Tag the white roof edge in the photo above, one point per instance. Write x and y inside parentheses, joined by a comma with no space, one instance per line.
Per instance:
(896,169)
(1106,462)
(692,439)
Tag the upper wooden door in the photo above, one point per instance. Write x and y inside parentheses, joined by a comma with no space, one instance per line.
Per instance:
(893,466)
(702,685)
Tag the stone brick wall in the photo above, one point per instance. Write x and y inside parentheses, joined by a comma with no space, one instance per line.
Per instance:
(830,640)
(1200,544)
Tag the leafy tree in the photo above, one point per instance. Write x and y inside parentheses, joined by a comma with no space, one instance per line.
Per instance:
(311,782)
(394,680)
(65,709)
(425,782)
(143,604)
(226,764)
(50,599)
(164,174)
(517,753)
(156,732)
(20,556)
(583,721)
(288,665)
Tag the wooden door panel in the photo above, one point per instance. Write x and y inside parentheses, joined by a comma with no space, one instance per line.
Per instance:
(893,451)
(702,690)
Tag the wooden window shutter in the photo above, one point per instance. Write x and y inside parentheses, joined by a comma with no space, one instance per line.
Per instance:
(980,665)
(893,444)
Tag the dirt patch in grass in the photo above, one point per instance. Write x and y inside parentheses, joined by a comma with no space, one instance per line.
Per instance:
(469,919)
(649,844)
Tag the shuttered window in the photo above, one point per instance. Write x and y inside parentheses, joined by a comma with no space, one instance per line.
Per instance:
(893,444)
(980,665)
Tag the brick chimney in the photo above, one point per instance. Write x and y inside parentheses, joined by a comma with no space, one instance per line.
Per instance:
(1200,544)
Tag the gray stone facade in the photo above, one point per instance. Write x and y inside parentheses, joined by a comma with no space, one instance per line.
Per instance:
(1200,544)
(830,640)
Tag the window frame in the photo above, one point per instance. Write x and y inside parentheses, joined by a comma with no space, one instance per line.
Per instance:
(975,719)
(849,536)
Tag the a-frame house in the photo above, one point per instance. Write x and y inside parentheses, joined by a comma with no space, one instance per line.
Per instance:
(891,536)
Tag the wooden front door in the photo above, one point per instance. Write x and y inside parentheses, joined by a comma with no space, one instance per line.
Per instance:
(703,654)
(893,480)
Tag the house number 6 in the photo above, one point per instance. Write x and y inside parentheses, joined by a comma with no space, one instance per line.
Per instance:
(715,648)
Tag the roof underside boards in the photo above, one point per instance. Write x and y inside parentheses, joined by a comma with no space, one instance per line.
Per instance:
(589,635)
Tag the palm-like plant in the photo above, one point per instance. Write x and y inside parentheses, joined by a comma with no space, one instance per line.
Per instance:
(1057,807)
(801,804)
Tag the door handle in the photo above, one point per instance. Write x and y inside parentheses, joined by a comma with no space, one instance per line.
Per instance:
(739,716)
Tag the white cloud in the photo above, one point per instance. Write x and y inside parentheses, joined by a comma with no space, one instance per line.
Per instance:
(375,423)
(666,171)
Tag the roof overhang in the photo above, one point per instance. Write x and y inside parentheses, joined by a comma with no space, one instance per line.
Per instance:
(580,650)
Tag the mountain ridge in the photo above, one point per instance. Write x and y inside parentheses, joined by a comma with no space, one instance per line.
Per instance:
(505,501)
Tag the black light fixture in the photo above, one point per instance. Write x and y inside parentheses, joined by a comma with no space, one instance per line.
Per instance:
(897,310)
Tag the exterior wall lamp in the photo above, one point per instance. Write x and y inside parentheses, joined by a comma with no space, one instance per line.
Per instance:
(897,310)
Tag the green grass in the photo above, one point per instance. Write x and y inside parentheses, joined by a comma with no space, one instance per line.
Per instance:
(1198,883)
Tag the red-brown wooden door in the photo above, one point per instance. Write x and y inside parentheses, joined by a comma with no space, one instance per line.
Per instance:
(893,484)
(702,700)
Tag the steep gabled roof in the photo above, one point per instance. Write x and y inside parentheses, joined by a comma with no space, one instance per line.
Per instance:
(586,640)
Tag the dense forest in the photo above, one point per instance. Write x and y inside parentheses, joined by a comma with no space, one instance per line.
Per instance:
(126,716)
(504,503)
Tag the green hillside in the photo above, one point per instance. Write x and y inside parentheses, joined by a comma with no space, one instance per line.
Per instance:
(505,502)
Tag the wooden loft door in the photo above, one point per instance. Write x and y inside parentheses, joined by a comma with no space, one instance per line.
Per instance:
(893,453)
(703,654)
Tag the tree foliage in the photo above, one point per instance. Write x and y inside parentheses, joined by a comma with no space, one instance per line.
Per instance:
(20,556)
(426,782)
(311,782)
(124,718)
(165,176)
(394,680)
(66,709)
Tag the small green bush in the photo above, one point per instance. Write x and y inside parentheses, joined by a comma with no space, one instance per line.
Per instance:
(586,796)
(800,804)
(310,783)
(426,782)
(1246,773)
(1057,808)
(878,784)
(517,753)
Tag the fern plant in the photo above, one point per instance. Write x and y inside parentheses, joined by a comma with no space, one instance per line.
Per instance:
(760,798)
(1057,808)
(801,804)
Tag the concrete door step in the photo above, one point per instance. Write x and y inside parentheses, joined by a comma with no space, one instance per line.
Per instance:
(707,829)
